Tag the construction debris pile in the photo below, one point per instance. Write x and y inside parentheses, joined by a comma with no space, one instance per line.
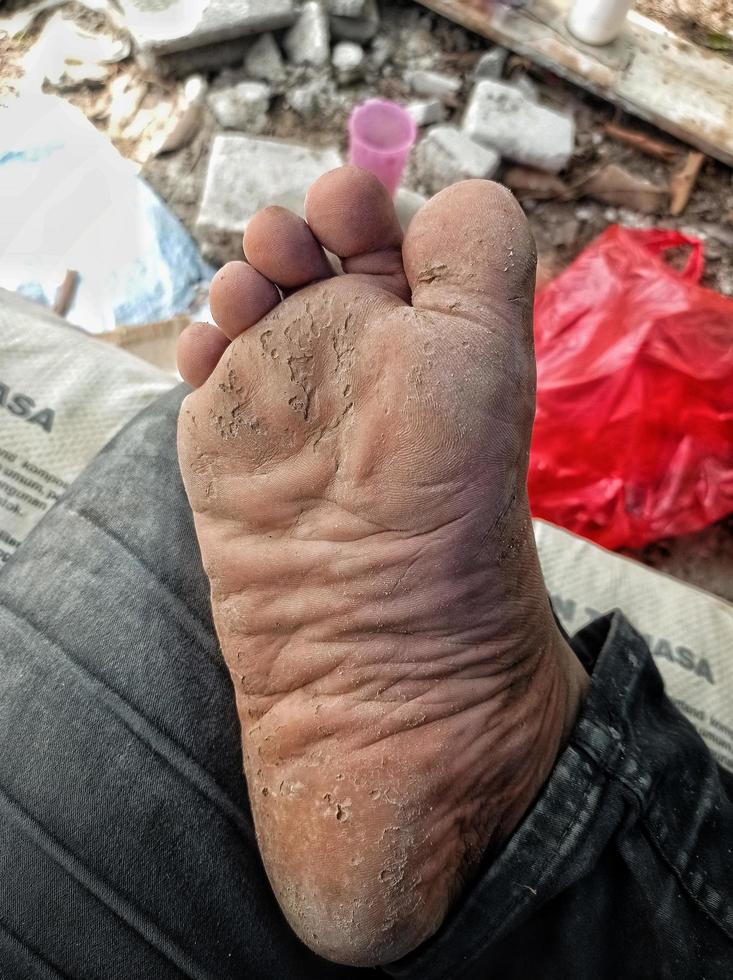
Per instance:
(228,105)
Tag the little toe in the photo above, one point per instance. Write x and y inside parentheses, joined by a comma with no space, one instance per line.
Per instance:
(200,348)
(469,251)
(239,296)
(352,215)
(282,247)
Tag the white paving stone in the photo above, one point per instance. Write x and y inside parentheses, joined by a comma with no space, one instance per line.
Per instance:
(502,117)
(181,25)
(308,40)
(247,173)
(243,106)
(265,61)
(446,155)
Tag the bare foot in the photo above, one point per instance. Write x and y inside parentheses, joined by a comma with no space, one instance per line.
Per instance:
(356,462)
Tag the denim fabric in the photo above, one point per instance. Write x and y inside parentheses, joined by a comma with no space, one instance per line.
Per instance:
(623,869)
(126,843)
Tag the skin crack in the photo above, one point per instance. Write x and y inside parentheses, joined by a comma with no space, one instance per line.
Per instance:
(327,429)
(433,273)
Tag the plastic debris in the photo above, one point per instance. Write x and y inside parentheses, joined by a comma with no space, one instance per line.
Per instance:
(632,438)
(72,202)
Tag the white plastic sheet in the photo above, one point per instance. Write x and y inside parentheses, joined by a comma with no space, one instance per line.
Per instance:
(69,201)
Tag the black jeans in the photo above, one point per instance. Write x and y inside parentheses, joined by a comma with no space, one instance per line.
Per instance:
(126,844)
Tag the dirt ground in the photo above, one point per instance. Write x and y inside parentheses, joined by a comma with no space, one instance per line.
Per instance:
(412,37)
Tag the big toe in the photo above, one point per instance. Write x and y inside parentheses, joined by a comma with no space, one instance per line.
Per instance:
(470,252)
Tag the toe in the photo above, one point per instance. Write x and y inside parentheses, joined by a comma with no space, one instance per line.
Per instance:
(281,246)
(239,297)
(469,251)
(352,215)
(200,347)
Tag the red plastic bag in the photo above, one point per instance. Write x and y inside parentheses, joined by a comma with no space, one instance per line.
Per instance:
(633,439)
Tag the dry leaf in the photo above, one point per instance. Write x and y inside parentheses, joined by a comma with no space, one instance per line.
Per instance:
(614,185)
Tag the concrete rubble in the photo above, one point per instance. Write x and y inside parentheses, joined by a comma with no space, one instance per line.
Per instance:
(361,28)
(180,64)
(446,155)
(349,61)
(317,59)
(308,40)
(502,117)
(243,106)
(298,67)
(427,112)
(264,60)
(491,64)
(181,25)
(317,97)
(348,8)
(248,173)
(432,83)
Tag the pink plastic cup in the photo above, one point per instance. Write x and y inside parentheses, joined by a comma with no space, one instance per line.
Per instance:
(381,134)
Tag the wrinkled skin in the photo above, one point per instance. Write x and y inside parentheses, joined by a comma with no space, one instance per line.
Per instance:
(356,461)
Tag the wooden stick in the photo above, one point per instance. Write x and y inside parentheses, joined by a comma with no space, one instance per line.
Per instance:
(66,292)
(683,182)
(642,142)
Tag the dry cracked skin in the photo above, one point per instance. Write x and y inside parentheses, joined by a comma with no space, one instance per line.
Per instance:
(355,455)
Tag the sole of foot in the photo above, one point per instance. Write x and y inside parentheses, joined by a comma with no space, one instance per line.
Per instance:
(355,456)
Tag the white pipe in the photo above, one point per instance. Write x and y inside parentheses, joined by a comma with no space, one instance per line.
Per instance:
(598,21)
